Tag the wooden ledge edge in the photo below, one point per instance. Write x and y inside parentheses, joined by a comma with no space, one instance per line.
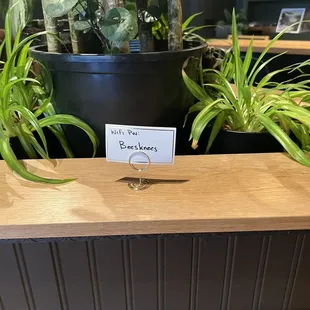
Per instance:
(154,227)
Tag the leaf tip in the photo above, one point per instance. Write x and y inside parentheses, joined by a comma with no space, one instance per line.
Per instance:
(194,144)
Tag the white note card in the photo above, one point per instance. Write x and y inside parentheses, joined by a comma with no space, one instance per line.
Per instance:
(157,142)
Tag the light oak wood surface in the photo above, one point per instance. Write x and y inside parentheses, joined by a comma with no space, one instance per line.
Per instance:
(222,193)
(292,47)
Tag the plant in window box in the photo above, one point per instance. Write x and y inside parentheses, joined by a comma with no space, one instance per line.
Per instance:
(248,117)
(26,109)
(116,85)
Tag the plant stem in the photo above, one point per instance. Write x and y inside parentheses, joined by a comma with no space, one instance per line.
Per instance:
(105,43)
(26,144)
(51,27)
(77,47)
(145,29)
(8,128)
(175,38)
(111,4)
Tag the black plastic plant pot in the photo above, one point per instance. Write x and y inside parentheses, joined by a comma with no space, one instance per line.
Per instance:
(144,89)
(236,142)
(162,45)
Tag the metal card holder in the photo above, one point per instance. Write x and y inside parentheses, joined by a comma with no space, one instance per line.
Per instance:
(143,183)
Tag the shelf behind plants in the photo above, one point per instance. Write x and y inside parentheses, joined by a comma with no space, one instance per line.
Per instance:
(291,47)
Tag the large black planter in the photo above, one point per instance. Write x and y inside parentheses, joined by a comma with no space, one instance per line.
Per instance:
(144,89)
(234,142)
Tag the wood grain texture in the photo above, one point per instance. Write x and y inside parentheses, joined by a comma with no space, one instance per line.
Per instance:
(223,193)
(292,47)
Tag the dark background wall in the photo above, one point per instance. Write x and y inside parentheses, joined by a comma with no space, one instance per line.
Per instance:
(213,9)
(269,11)
(258,10)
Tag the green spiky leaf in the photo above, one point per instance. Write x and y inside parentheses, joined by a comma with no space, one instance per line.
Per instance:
(288,144)
(16,166)
(217,126)
(189,20)
(64,119)
(252,105)
(26,108)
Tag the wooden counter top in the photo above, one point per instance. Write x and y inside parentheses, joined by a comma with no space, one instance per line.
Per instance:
(292,47)
(222,193)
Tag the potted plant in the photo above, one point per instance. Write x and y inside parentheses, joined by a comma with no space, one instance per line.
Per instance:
(223,27)
(250,116)
(26,112)
(116,86)
(160,29)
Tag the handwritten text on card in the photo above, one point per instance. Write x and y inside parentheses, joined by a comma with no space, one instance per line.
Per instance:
(158,143)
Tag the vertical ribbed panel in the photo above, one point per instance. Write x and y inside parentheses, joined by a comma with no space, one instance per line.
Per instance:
(39,262)
(22,267)
(11,284)
(127,274)
(261,272)
(178,258)
(1,304)
(161,274)
(228,272)
(59,275)
(76,273)
(111,274)
(92,261)
(211,267)
(293,269)
(278,260)
(194,273)
(244,272)
(300,296)
(144,274)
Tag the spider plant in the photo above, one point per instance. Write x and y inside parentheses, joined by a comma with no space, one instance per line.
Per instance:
(160,28)
(26,108)
(249,106)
